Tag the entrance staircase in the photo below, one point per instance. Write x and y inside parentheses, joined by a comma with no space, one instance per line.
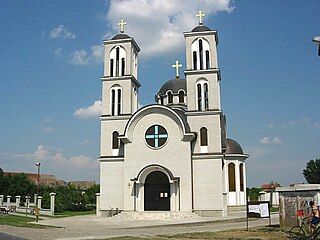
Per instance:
(156,215)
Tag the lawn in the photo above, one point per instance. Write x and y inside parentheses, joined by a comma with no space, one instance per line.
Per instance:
(71,214)
(19,221)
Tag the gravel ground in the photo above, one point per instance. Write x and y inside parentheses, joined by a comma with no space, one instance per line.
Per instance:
(92,227)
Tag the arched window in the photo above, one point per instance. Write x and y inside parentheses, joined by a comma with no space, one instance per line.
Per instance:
(199,97)
(181,96)
(161,100)
(202,95)
(170,97)
(232,179)
(119,101)
(200,50)
(194,60)
(206,103)
(241,177)
(207,60)
(122,67)
(117,61)
(111,67)
(115,100)
(201,54)
(203,137)
(115,140)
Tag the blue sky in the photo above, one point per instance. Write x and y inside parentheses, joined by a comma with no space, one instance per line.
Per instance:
(51,57)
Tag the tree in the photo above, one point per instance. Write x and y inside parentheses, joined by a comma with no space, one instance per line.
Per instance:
(253,193)
(312,171)
(18,184)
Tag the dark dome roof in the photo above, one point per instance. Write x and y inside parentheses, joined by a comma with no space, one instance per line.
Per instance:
(201,29)
(233,147)
(174,85)
(120,36)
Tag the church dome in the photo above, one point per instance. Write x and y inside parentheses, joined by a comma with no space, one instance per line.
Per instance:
(201,28)
(233,147)
(120,36)
(174,85)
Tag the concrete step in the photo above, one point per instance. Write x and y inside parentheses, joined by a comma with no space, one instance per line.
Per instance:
(156,215)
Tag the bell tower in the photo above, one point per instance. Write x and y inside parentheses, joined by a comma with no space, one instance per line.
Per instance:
(205,117)
(119,89)
(203,87)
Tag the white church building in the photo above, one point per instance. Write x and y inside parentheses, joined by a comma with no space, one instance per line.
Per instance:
(173,155)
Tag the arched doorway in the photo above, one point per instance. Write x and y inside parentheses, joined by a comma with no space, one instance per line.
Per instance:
(157,192)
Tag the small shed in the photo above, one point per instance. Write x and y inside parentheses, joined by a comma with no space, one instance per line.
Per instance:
(294,202)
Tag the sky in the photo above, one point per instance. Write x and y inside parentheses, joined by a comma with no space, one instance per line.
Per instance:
(51,56)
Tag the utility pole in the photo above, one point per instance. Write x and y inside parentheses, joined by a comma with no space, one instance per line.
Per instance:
(316,40)
(37,208)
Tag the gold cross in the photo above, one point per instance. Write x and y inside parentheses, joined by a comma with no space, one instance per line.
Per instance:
(121,24)
(176,66)
(200,15)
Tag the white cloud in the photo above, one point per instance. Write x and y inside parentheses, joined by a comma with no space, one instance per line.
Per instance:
(97,53)
(79,57)
(53,161)
(82,57)
(92,111)
(157,26)
(78,162)
(264,140)
(42,153)
(302,122)
(58,51)
(267,140)
(276,140)
(61,32)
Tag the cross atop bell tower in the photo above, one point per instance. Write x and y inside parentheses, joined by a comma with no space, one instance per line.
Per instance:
(200,15)
(122,24)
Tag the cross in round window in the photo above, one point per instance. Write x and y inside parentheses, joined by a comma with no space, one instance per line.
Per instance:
(156,136)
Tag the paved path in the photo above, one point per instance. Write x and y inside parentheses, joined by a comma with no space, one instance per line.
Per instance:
(92,227)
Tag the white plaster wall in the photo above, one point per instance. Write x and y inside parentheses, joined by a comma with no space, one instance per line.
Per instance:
(207,184)
(232,198)
(107,128)
(111,185)
(175,156)
(130,56)
(128,98)
(213,90)
(191,37)
(212,123)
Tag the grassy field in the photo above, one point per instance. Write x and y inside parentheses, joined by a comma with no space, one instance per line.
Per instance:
(19,221)
(253,234)
(71,214)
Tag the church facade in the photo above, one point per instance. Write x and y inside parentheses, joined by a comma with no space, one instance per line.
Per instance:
(173,155)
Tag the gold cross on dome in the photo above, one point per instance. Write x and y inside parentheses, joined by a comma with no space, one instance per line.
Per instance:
(176,66)
(122,24)
(200,15)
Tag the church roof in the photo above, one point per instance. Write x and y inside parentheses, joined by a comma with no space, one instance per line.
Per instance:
(201,28)
(233,147)
(174,85)
(120,36)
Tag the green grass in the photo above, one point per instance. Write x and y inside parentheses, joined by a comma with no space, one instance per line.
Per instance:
(274,209)
(71,214)
(19,221)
